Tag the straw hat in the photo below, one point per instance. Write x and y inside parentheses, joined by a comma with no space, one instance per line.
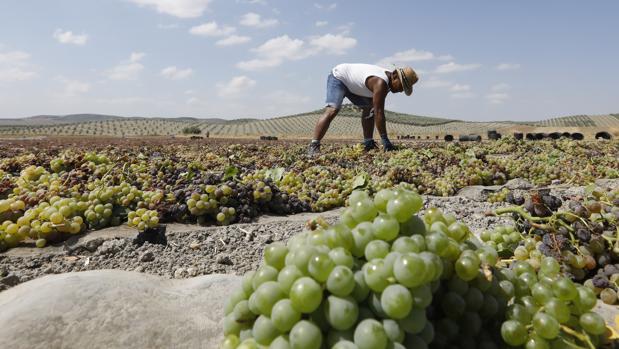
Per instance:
(408,77)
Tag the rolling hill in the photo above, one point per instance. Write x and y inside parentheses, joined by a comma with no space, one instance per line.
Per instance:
(345,125)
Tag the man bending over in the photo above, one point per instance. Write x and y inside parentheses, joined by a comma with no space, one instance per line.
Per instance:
(366,86)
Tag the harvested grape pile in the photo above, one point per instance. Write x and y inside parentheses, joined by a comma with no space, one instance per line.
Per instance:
(384,277)
(50,191)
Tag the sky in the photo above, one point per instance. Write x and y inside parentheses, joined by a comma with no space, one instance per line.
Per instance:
(477,60)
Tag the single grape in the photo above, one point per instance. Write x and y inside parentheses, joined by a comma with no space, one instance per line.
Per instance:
(397,301)
(409,269)
(341,313)
(284,315)
(275,254)
(264,331)
(341,281)
(266,296)
(370,334)
(320,266)
(593,323)
(305,295)
(305,335)
(546,326)
(514,333)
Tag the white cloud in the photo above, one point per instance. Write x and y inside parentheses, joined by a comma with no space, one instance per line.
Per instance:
(15,74)
(73,88)
(434,82)
(177,8)
(497,97)
(411,55)
(500,87)
(167,26)
(14,57)
(236,86)
(15,66)
(136,56)
(463,95)
(459,88)
(174,73)
(507,66)
(331,6)
(453,67)
(233,40)
(212,29)
(67,37)
(345,29)
(321,23)
(129,69)
(259,2)
(256,21)
(283,48)
(333,44)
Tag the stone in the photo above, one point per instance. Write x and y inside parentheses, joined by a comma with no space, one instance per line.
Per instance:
(147,256)
(93,245)
(147,311)
(518,183)
(10,280)
(225,260)
(179,273)
(111,246)
(478,192)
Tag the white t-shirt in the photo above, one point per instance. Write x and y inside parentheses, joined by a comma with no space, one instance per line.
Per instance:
(355,75)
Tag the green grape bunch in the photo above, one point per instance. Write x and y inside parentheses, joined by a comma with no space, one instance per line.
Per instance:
(384,277)
(142,219)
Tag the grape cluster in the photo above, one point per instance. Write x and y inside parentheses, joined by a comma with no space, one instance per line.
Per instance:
(384,277)
(548,309)
(142,219)
(502,238)
(582,237)
(499,196)
(279,179)
(605,283)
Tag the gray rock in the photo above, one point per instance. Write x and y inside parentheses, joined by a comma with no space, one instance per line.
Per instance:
(608,183)
(225,260)
(518,183)
(111,246)
(114,309)
(478,192)
(147,256)
(10,280)
(93,245)
(179,273)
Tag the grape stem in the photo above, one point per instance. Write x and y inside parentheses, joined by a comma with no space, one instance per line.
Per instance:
(519,210)
(583,337)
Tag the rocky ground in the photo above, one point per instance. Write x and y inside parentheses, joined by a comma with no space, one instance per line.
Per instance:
(194,250)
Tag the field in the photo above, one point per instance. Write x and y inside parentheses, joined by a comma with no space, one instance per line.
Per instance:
(346,125)
(477,270)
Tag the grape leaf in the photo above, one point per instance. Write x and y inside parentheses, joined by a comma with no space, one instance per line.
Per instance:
(360,181)
(276,174)
(231,172)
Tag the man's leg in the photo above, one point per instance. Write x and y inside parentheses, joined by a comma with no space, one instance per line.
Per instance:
(323,123)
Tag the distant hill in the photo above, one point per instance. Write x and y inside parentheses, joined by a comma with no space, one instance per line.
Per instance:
(346,125)
(39,120)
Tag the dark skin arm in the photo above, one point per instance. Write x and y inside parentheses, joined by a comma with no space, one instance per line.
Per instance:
(379,89)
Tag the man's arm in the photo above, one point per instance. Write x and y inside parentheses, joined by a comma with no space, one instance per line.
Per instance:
(380,90)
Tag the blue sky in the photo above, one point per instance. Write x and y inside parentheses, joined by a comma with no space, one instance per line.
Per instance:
(477,60)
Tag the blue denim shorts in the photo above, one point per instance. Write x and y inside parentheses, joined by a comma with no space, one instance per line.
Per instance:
(336,91)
